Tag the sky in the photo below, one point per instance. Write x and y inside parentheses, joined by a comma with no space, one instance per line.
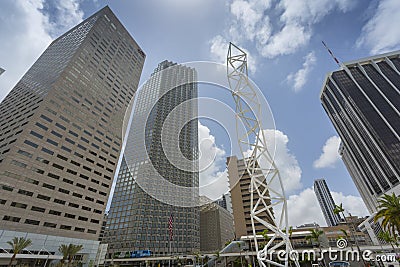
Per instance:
(287,61)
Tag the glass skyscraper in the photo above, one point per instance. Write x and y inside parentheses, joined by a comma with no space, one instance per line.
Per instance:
(149,208)
(362,99)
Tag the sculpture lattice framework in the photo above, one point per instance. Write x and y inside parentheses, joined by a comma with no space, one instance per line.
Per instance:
(266,188)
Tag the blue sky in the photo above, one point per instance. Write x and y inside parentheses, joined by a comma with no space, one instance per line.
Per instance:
(287,62)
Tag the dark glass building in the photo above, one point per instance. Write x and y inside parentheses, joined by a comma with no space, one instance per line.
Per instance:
(362,99)
(147,193)
(326,202)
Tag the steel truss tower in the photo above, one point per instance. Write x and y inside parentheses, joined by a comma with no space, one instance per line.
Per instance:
(266,182)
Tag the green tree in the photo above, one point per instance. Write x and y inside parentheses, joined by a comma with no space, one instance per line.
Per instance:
(68,252)
(389,212)
(313,238)
(388,238)
(18,244)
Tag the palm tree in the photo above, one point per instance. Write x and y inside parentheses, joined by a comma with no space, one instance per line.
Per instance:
(69,251)
(314,238)
(389,211)
(18,244)
(63,249)
(73,250)
(388,238)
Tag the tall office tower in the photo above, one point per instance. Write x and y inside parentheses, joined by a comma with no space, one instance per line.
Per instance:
(362,99)
(326,202)
(239,185)
(61,131)
(140,212)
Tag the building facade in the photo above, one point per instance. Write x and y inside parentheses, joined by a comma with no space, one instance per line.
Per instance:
(362,99)
(61,132)
(216,227)
(239,184)
(146,213)
(326,202)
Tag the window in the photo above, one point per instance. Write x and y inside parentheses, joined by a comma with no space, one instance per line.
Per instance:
(63,191)
(59,201)
(54,212)
(26,154)
(55,165)
(43,197)
(54,176)
(19,205)
(19,164)
(46,118)
(45,161)
(48,151)
(73,205)
(11,219)
(78,229)
(49,186)
(91,231)
(67,215)
(66,149)
(65,227)
(34,222)
(41,126)
(25,192)
(82,218)
(51,225)
(30,143)
(38,209)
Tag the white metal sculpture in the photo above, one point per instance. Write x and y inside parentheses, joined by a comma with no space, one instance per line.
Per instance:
(266,187)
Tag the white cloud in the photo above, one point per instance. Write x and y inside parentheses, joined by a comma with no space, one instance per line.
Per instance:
(304,207)
(380,34)
(213,174)
(252,22)
(352,204)
(67,14)
(330,154)
(285,161)
(26,32)
(299,78)
(287,41)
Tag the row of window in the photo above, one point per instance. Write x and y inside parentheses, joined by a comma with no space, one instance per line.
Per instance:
(48,224)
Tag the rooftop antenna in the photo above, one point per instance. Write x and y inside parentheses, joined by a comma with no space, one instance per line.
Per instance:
(332,55)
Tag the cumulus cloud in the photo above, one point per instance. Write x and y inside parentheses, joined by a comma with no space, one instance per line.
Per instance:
(26,32)
(380,34)
(252,22)
(285,160)
(352,204)
(304,207)
(213,174)
(300,78)
(330,154)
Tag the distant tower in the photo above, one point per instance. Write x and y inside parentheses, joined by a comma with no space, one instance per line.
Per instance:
(362,99)
(326,202)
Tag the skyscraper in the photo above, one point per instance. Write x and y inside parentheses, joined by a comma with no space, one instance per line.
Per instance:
(326,202)
(61,131)
(239,186)
(145,213)
(362,99)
